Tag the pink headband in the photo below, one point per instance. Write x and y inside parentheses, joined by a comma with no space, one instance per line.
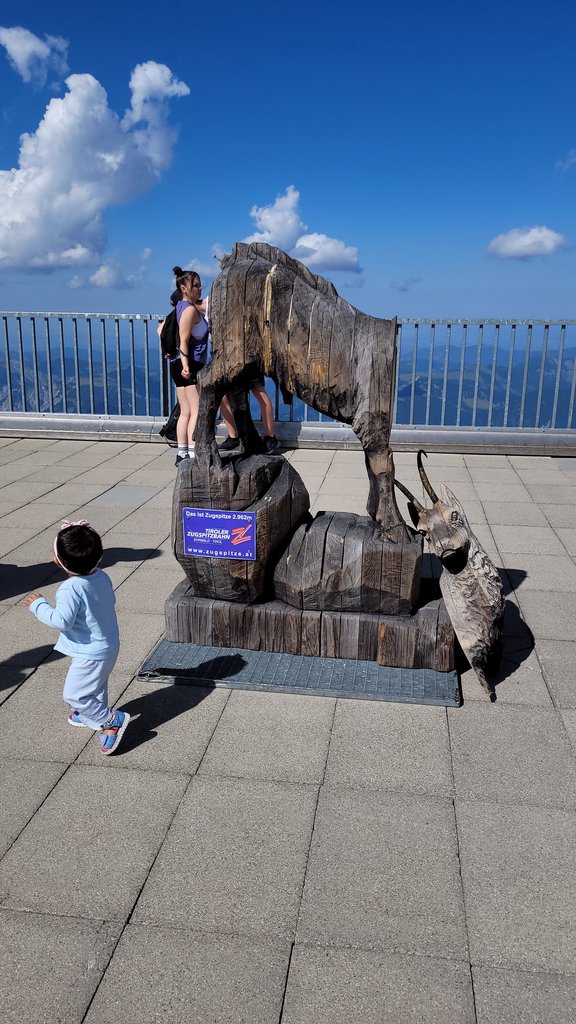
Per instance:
(63,525)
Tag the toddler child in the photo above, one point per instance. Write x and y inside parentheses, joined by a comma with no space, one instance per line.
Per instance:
(86,618)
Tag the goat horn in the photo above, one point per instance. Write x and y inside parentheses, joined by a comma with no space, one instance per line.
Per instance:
(425,481)
(419,508)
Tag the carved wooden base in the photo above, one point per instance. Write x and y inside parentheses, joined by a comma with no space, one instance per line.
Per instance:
(343,562)
(422,640)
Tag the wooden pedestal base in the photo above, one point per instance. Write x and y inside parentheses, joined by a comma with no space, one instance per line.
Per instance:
(422,640)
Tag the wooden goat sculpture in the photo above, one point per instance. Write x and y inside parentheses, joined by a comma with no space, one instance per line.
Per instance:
(271,315)
(470,584)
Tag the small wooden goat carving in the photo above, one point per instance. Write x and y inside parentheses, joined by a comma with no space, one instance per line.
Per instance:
(470,584)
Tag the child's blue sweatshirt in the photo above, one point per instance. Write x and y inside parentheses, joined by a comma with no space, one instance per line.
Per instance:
(85,615)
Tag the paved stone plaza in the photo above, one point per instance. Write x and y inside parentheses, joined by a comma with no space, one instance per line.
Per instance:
(257,858)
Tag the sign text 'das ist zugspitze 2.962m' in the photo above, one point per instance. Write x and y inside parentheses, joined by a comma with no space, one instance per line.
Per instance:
(214,533)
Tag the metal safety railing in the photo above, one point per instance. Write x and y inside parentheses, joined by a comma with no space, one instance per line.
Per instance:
(450,373)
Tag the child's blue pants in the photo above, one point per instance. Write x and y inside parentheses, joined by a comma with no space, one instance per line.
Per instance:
(86,690)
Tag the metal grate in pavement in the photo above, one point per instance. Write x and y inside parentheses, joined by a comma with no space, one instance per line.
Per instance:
(236,668)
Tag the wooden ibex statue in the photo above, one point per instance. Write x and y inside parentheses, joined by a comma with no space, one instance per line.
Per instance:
(470,584)
(270,315)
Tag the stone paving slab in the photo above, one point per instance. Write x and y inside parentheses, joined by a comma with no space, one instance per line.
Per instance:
(568,538)
(170,730)
(234,859)
(507,492)
(520,678)
(50,966)
(89,848)
(558,661)
(525,513)
(558,515)
(569,720)
(527,539)
(553,494)
(73,494)
(185,977)
(383,874)
(271,736)
(542,572)
(550,615)
(349,986)
(12,676)
(519,997)
(512,755)
(518,874)
(121,495)
(401,747)
(24,786)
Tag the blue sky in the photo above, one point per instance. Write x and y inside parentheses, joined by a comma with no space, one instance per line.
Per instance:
(421,156)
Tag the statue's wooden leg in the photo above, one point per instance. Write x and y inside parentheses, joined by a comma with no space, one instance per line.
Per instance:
(207,452)
(381,505)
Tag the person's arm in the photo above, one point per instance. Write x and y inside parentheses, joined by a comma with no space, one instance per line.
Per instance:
(63,615)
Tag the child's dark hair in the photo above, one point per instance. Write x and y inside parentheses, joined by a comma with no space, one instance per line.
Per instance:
(79,549)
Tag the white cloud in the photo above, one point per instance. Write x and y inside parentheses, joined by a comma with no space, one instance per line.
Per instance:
(108,275)
(280,225)
(526,243)
(33,58)
(81,160)
(568,163)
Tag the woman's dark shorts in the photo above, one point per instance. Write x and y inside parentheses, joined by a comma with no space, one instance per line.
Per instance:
(176,373)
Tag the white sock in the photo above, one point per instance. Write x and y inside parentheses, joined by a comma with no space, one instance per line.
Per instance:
(191,452)
(182,451)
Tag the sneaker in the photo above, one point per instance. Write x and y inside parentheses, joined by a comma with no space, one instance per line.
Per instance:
(271,444)
(73,719)
(108,744)
(229,444)
(180,458)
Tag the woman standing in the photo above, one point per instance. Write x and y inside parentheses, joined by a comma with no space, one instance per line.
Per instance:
(184,368)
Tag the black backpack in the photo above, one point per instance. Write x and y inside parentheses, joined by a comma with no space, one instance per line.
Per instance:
(170,336)
(168,431)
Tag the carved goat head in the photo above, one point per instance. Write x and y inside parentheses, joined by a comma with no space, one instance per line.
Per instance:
(445,525)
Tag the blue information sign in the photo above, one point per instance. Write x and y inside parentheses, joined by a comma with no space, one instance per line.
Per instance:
(214,533)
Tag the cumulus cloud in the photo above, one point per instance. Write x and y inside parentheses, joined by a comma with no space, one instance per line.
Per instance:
(280,224)
(33,58)
(108,275)
(81,160)
(526,243)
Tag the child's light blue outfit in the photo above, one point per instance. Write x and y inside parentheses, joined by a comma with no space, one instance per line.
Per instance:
(86,617)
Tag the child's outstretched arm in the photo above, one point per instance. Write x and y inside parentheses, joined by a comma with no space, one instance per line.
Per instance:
(63,615)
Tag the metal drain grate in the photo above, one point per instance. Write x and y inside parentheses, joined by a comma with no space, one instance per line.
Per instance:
(236,668)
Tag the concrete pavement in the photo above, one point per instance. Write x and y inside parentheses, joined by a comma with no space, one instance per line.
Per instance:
(281,859)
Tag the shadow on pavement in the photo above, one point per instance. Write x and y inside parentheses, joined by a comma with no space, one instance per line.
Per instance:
(25,579)
(169,701)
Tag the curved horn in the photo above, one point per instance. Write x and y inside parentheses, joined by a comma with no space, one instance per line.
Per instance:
(406,493)
(425,481)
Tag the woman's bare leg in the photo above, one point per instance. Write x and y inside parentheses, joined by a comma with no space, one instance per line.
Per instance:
(266,410)
(183,419)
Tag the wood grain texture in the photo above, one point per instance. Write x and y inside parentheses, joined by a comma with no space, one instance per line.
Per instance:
(340,561)
(422,640)
(265,485)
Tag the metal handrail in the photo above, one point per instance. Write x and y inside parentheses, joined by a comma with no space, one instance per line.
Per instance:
(480,373)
